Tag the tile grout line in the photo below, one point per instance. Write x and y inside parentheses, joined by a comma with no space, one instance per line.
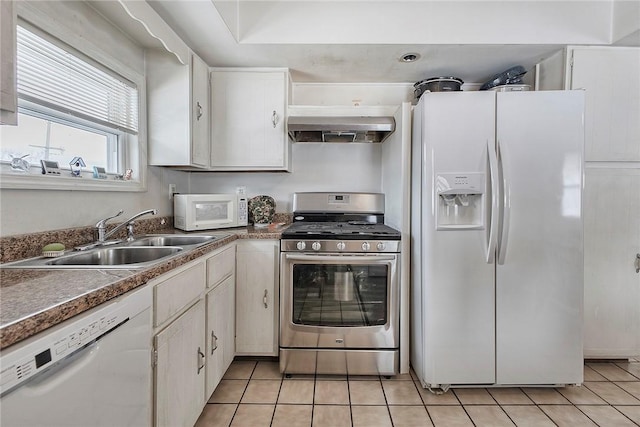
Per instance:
(275,404)
(313,399)
(243,392)
(537,406)
(422,400)
(611,405)
(386,401)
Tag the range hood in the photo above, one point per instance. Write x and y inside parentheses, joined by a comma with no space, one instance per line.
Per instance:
(340,128)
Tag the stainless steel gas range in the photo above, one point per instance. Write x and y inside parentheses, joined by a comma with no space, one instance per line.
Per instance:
(339,287)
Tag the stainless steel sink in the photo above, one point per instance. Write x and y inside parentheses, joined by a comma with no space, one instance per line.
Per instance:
(116,256)
(171,240)
(143,251)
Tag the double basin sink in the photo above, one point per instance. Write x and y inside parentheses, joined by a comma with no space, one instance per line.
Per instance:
(141,252)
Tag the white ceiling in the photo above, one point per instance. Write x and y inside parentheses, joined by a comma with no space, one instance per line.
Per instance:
(362,41)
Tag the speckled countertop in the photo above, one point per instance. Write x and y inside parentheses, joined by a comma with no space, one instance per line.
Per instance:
(34,300)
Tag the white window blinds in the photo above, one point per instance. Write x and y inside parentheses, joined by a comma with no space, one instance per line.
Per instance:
(53,77)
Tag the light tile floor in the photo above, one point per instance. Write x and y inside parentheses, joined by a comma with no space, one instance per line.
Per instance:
(254,394)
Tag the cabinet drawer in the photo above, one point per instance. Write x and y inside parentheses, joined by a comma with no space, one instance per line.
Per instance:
(174,293)
(220,266)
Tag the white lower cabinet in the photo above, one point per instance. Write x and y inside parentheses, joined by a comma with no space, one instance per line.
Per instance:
(611,248)
(194,343)
(180,383)
(257,276)
(220,332)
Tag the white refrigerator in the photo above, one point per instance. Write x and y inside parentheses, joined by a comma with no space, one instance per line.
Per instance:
(497,238)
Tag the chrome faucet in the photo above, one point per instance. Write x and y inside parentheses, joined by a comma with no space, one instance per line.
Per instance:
(101,226)
(103,234)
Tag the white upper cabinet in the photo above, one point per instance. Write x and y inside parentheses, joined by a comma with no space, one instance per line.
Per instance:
(178,111)
(611,79)
(8,94)
(248,119)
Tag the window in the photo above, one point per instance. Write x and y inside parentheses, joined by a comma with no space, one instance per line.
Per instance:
(51,138)
(69,106)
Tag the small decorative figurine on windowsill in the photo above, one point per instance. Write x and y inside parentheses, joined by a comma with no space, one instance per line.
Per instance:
(76,164)
(19,163)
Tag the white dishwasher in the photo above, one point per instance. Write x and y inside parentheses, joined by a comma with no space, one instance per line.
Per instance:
(91,370)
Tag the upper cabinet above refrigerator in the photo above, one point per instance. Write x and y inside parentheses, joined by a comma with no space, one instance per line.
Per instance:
(610,77)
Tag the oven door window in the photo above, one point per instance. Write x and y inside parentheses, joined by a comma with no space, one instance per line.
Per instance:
(344,295)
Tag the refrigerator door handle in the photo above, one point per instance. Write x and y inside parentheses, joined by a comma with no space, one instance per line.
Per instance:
(505,195)
(493,226)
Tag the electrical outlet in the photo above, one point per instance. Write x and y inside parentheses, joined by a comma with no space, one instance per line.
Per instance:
(172,191)
(241,190)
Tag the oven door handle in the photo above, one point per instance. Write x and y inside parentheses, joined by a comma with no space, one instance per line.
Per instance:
(341,257)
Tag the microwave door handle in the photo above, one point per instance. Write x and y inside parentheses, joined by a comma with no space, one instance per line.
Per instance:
(341,259)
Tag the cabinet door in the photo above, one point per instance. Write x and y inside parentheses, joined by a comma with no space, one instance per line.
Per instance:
(257,298)
(221,265)
(220,332)
(8,95)
(177,107)
(611,77)
(248,120)
(179,369)
(612,242)
(199,112)
(174,293)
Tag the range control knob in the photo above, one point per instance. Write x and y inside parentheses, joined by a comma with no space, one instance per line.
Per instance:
(301,246)
(341,246)
(366,246)
(380,246)
(316,246)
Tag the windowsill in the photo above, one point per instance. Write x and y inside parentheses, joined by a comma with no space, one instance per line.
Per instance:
(32,181)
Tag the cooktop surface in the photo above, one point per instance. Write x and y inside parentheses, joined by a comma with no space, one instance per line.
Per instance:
(340,230)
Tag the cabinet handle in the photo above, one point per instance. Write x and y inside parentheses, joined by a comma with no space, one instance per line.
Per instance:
(264,299)
(214,342)
(199,113)
(200,358)
(274,119)
(637,263)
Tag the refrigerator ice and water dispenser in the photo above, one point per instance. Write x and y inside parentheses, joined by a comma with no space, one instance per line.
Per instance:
(460,201)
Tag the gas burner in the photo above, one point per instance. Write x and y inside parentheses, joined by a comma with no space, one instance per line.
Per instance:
(320,227)
(364,223)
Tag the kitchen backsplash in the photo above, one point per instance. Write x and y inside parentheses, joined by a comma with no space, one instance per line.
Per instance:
(30,245)
(23,246)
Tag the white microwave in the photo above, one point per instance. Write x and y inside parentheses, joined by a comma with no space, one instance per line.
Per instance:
(209,211)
